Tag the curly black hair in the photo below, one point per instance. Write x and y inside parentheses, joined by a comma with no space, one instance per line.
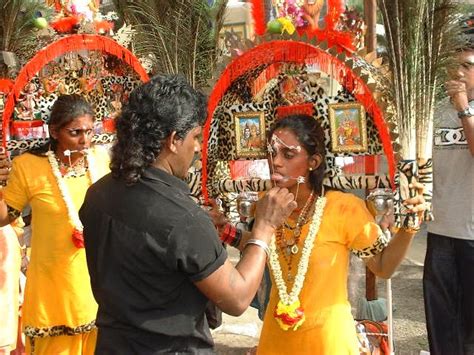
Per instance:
(156,109)
(310,134)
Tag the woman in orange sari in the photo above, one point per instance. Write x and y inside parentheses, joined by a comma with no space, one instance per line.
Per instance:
(59,309)
(308,310)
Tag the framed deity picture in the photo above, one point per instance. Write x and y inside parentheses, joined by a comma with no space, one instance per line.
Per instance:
(250,134)
(348,127)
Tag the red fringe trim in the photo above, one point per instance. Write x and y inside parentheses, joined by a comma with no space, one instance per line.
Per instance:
(301,109)
(296,52)
(64,45)
(265,76)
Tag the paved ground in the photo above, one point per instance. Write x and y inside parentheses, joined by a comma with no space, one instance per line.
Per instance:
(238,335)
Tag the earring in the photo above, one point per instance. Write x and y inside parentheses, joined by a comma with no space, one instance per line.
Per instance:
(310,169)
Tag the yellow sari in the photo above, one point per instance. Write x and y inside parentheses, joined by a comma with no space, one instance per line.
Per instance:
(329,327)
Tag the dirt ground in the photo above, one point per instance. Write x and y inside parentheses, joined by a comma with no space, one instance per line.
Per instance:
(238,335)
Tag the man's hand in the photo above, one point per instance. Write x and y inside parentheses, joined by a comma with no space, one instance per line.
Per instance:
(456,90)
(218,218)
(272,210)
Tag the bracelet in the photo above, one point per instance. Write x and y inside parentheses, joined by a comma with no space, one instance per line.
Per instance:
(238,237)
(228,235)
(259,243)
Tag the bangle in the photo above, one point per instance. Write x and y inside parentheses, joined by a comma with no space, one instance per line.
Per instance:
(231,235)
(238,237)
(259,243)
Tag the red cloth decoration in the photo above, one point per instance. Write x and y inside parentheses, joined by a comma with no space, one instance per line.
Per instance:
(65,24)
(78,238)
(258,12)
(103,26)
(6,85)
(64,45)
(109,125)
(301,109)
(296,52)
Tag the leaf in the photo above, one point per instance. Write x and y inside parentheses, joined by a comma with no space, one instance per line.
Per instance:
(181,35)
(421,40)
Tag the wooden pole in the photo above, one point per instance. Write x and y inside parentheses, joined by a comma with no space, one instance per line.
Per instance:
(370,17)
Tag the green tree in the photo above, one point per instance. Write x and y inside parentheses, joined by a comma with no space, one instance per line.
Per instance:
(178,36)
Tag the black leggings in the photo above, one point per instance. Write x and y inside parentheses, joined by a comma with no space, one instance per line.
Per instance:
(448,287)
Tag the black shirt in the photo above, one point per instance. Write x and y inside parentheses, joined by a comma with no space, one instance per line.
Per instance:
(146,244)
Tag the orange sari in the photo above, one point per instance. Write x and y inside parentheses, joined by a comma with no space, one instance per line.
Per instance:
(329,327)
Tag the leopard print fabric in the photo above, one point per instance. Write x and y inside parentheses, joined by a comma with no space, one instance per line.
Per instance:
(33,333)
(222,140)
(58,330)
(380,244)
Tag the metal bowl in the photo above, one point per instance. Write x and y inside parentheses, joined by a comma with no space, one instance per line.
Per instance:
(246,203)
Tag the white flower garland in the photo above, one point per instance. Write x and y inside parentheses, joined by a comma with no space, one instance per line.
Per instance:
(291,298)
(71,209)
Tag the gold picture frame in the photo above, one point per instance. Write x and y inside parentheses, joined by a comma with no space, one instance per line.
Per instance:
(348,127)
(250,134)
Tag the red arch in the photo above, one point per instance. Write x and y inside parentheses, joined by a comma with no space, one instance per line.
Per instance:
(56,49)
(6,85)
(296,52)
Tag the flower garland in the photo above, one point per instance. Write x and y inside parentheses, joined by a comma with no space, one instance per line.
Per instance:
(280,3)
(288,312)
(77,235)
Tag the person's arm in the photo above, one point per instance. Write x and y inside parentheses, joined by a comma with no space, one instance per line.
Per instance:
(468,125)
(233,288)
(457,91)
(4,172)
(386,262)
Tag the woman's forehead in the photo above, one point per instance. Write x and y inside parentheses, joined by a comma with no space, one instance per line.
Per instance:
(84,120)
(285,138)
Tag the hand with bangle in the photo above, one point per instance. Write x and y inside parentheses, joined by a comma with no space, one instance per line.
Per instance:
(416,204)
(271,211)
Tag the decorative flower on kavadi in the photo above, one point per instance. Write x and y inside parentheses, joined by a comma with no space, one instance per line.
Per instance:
(77,235)
(289,313)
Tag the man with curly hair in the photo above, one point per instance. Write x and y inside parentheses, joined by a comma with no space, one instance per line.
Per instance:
(153,254)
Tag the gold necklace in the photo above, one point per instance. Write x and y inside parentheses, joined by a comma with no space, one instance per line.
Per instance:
(79,168)
(289,247)
(300,222)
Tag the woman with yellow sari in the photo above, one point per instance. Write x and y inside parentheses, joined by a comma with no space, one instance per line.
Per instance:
(308,310)
(59,309)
